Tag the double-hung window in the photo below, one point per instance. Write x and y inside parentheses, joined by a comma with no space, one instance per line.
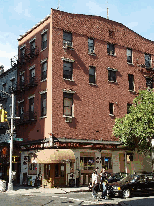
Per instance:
(147,60)
(31,108)
(90,45)
(67,39)
(32,47)
(43,104)
(32,76)
(131,82)
(44,40)
(110,49)
(67,70)
(22,54)
(129,55)
(111,108)
(22,80)
(149,82)
(44,71)
(21,110)
(111,75)
(92,78)
(67,104)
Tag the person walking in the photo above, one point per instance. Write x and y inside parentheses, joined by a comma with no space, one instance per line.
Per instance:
(103,182)
(95,184)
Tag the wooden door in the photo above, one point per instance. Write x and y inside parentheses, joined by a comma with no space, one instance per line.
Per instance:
(60,175)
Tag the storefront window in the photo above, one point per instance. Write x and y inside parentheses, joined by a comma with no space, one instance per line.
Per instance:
(87,163)
(107,163)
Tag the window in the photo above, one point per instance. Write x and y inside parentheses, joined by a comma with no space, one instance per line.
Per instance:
(128,108)
(67,70)
(149,82)
(67,104)
(32,76)
(129,55)
(92,78)
(32,47)
(87,163)
(67,39)
(21,110)
(111,108)
(147,60)
(90,45)
(107,163)
(43,104)
(111,75)
(110,49)
(22,54)
(4,87)
(44,40)
(31,108)
(131,82)
(44,71)
(22,80)
(32,167)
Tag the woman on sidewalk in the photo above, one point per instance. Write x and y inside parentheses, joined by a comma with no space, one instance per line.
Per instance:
(95,184)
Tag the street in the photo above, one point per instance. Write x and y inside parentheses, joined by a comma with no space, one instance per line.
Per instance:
(69,199)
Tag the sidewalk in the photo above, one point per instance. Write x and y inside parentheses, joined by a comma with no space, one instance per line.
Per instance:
(34,191)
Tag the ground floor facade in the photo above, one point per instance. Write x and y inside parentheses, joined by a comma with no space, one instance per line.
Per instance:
(54,167)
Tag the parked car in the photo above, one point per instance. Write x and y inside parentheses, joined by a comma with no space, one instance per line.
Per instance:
(132,184)
(111,177)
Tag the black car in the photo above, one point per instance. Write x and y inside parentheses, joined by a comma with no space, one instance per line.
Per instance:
(132,184)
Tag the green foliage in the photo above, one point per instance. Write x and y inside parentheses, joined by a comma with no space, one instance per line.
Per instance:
(136,129)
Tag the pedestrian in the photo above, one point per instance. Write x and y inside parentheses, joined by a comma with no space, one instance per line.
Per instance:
(95,183)
(103,182)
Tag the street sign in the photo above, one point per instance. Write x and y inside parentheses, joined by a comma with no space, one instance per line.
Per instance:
(18,139)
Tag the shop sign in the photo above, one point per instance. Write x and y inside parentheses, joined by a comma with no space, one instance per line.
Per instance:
(66,144)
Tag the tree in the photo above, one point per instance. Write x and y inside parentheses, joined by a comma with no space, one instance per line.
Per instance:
(136,129)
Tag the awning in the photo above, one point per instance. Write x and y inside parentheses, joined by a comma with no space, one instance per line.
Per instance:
(48,156)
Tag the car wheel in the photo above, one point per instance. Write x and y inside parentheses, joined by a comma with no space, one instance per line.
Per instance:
(126,193)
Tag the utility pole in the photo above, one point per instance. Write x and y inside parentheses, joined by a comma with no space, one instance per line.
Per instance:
(10,184)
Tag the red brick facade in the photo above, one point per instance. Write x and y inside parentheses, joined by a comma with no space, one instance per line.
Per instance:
(91,119)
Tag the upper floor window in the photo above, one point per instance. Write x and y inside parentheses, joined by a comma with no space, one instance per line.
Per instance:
(31,108)
(44,71)
(67,104)
(147,60)
(111,75)
(44,40)
(111,108)
(90,45)
(43,104)
(129,55)
(149,82)
(22,79)
(128,107)
(4,87)
(32,75)
(22,54)
(32,47)
(67,39)
(21,109)
(131,82)
(92,78)
(110,49)
(67,70)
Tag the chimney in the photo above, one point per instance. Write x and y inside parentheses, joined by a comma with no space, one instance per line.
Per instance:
(1,69)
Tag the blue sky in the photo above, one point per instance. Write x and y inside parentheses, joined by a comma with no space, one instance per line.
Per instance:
(18,16)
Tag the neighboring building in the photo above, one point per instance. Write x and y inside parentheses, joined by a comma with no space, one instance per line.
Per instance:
(76,74)
(8,80)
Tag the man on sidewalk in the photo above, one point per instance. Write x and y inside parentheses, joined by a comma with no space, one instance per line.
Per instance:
(103,182)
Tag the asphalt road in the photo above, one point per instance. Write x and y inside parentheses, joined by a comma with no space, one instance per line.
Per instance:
(70,199)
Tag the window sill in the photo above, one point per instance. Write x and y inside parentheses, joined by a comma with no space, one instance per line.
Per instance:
(112,55)
(112,115)
(92,53)
(93,84)
(43,80)
(67,116)
(130,63)
(112,81)
(43,49)
(71,80)
(68,47)
(43,117)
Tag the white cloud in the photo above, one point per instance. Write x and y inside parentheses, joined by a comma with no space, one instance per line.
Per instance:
(19,9)
(94,8)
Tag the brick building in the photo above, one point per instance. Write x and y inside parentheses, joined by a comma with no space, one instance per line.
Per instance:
(76,74)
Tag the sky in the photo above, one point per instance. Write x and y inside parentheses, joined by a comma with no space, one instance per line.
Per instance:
(18,16)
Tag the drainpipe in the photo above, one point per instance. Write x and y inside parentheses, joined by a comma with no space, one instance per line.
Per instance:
(125,162)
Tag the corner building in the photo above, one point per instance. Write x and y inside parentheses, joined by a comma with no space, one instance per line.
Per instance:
(76,74)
